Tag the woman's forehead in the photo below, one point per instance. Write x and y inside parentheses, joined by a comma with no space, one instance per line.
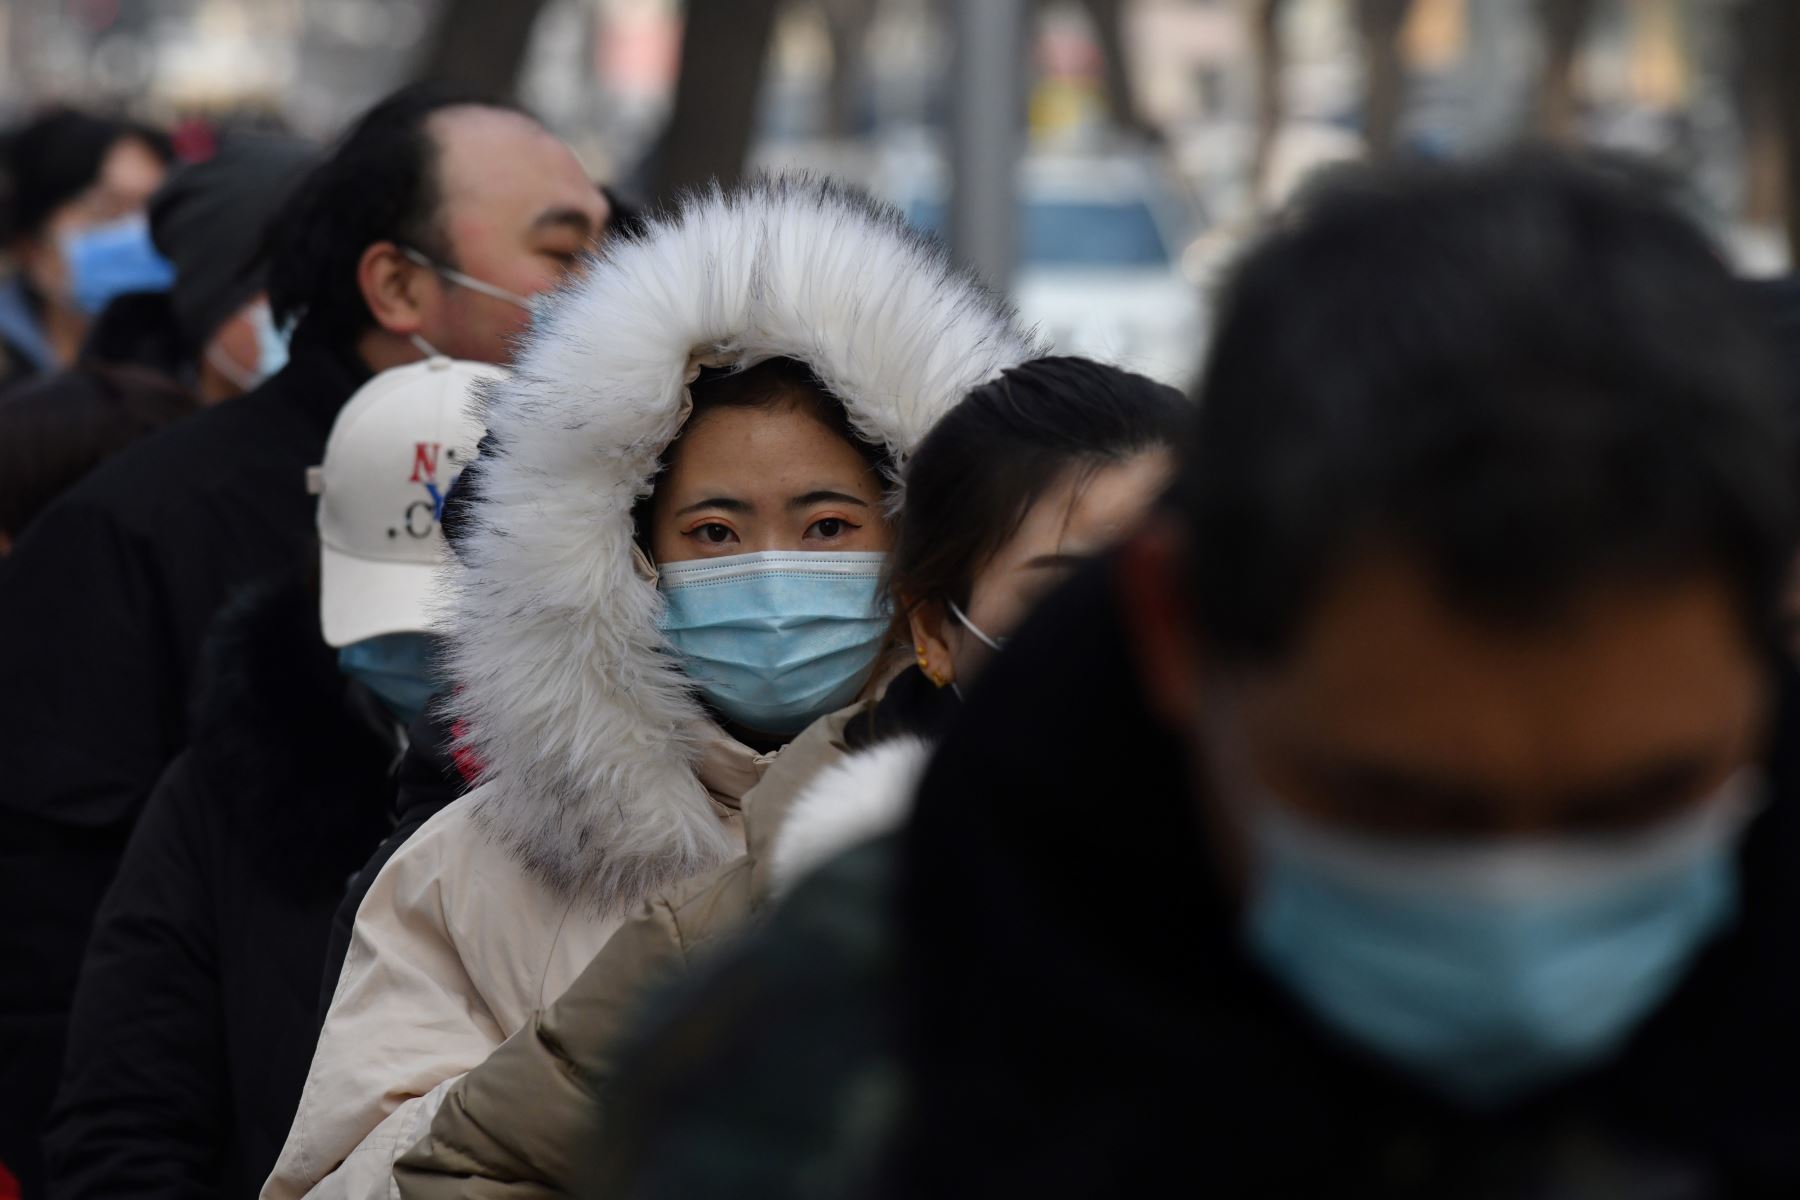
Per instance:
(766,449)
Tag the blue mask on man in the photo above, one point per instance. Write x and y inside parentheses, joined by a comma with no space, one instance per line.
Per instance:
(111,260)
(271,342)
(1488,969)
(776,640)
(398,667)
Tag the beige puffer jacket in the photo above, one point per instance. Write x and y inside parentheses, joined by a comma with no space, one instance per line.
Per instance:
(518,1125)
(455,948)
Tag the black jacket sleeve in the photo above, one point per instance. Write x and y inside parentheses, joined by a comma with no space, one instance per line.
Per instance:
(144,1109)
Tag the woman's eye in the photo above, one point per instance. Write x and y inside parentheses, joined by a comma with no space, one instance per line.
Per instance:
(713,533)
(831,527)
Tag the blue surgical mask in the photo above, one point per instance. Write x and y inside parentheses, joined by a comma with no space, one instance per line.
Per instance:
(1487,969)
(775,641)
(271,342)
(398,667)
(271,351)
(111,260)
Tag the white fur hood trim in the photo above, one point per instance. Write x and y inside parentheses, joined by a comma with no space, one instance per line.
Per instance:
(862,797)
(586,728)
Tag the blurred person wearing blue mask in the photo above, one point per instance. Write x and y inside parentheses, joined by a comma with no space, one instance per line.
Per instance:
(1473,672)
(76,229)
(1409,808)
(212,329)
(194,1018)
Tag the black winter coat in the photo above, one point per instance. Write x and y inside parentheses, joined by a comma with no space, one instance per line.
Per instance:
(1037,989)
(103,608)
(192,1025)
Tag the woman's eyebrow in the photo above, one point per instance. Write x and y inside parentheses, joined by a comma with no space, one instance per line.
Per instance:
(1045,562)
(825,496)
(721,502)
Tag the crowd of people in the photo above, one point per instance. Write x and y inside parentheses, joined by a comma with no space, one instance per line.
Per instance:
(508,695)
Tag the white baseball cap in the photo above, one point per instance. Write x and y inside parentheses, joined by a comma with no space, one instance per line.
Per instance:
(396,446)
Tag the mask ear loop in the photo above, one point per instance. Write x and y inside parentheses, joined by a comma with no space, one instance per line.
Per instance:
(469,281)
(235,372)
(994,644)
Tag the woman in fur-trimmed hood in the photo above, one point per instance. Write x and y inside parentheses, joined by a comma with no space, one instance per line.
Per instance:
(1030,475)
(599,701)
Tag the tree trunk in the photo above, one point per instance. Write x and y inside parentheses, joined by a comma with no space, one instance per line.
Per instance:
(847,22)
(1786,63)
(1107,17)
(1379,22)
(723,53)
(480,44)
(1271,108)
(1563,22)
(1757,25)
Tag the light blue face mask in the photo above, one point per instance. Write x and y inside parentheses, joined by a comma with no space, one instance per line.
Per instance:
(110,260)
(1488,969)
(775,641)
(397,667)
(271,342)
(271,351)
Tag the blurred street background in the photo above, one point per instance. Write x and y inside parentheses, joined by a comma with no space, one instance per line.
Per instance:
(1096,158)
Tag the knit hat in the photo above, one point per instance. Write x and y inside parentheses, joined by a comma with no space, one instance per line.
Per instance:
(210,218)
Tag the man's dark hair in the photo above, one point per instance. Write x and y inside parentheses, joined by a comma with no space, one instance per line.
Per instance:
(988,460)
(378,184)
(1529,375)
(56,156)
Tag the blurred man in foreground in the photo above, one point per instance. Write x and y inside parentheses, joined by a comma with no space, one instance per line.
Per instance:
(1411,812)
(426,230)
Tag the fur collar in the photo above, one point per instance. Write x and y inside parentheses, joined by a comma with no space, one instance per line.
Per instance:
(851,802)
(588,729)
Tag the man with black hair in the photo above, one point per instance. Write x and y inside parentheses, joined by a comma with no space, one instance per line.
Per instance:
(1412,800)
(425,231)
